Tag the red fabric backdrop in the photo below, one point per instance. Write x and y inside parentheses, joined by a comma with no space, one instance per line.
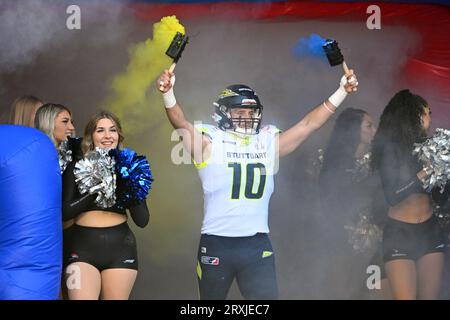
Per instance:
(429,67)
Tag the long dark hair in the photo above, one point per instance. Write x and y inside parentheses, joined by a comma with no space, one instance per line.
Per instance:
(400,125)
(345,138)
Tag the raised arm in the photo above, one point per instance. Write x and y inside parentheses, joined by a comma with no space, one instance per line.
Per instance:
(296,135)
(176,117)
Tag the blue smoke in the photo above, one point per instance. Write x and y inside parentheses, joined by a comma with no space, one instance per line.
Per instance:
(310,47)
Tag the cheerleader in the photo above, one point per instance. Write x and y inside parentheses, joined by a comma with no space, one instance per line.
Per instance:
(55,120)
(23,110)
(413,242)
(353,209)
(101,258)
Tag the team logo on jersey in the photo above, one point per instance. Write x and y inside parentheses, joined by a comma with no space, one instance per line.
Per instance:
(214,261)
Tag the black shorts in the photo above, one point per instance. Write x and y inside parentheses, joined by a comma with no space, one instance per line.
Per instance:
(103,248)
(248,259)
(403,240)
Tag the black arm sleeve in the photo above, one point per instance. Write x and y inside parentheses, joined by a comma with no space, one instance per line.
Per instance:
(73,204)
(140,214)
(75,145)
(397,185)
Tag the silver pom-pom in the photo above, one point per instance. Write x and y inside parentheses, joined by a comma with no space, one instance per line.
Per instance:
(361,170)
(435,153)
(95,174)
(64,155)
(365,235)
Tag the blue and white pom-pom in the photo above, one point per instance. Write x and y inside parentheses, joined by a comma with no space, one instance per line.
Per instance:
(134,177)
(435,151)
(95,173)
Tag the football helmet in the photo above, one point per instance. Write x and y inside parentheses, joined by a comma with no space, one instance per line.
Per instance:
(234,97)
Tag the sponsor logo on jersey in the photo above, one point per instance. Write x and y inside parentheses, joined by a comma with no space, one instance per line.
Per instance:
(230,142)
(214,261)
(247,155)
(266,254)
(203,249)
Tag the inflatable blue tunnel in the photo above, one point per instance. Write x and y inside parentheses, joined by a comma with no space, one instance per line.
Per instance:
(30,215)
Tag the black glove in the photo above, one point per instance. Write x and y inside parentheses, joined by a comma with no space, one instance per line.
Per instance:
(74,144)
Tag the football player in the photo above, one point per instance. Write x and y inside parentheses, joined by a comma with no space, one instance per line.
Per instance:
(236,161)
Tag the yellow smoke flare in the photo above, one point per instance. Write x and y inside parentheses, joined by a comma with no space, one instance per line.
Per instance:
(139,106)
(128,99)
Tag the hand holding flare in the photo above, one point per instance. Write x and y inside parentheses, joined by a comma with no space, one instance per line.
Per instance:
(335,58)
(174,51)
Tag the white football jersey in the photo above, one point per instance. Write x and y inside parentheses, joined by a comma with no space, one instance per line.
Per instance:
(237,181)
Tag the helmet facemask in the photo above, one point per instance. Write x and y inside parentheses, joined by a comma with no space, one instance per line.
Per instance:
(238,97)
(246,125)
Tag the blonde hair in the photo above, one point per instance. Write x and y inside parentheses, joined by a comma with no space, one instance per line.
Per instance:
(45,118)
(23,110)
(88,143)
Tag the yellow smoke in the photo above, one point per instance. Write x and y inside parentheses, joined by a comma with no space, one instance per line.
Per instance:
(130,98)
(138,104)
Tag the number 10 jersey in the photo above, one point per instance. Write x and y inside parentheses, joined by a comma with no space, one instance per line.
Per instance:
(238,181)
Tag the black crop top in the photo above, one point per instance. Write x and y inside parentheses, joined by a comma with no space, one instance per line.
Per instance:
(74,203)
(399,179)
